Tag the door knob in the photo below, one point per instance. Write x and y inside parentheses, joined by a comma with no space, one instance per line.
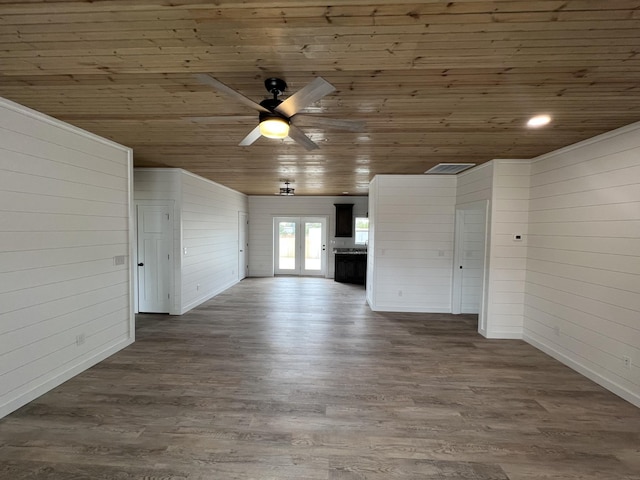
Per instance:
(141,264)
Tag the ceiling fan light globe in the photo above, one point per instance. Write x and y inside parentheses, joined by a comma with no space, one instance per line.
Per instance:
(274,128)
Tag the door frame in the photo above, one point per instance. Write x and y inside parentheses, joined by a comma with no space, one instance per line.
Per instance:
(175,261)
(299,220)
(458,260)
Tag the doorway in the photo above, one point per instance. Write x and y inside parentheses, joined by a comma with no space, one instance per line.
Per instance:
(243,245)
(300,246)
(155,244)
(470,252)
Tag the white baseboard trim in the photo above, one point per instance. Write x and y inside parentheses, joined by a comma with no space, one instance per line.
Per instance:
(586,371)
(503,334)
(208,296)
(412,309)
(62,377)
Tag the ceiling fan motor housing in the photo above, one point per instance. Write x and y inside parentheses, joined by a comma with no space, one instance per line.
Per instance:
(271,104)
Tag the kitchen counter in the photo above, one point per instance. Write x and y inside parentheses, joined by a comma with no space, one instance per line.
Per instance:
(350,251)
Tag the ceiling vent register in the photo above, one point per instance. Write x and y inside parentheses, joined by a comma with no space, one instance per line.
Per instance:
(449,168)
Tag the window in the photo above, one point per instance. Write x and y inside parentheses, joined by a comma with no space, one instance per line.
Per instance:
(362,231)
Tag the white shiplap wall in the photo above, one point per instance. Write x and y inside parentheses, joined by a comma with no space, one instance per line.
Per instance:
(262,210)
(475,185)
(206,217)
(65,303)
(582,302)
(508,258)
(371,248)
(210,217)
(413,252)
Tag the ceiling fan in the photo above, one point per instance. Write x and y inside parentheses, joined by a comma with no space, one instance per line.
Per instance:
(279,118)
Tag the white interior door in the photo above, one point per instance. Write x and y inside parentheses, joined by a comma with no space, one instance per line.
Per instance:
(243,245)
(155,241)
(300,246)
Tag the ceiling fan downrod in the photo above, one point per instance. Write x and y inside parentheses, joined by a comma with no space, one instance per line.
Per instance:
(275,86)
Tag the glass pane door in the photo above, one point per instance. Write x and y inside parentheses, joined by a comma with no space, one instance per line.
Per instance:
(314,246)
(300,246)
(286,247)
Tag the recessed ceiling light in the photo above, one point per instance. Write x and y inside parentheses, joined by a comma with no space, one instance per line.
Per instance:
(538,121)
(345,193)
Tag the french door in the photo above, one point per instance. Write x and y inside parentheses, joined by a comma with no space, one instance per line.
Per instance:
(300,246)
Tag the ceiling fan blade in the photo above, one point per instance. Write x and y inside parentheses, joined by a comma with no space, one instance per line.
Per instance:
(298,135)
(217,119)
(252,137)
(304,97)
(228,91)
(324,122)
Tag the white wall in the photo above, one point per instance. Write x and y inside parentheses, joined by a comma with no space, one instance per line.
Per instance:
(205,224)
(262,210)
(414,218)
(508,258)
(475,185)
(210,235)
(582,301)
(371,249)
(65,303)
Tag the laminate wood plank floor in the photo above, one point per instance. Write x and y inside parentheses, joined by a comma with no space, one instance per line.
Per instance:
(295,378)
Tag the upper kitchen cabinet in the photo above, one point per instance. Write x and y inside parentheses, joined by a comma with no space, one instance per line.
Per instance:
(344,219)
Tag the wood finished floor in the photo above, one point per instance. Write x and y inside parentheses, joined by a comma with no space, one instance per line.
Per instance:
(285,378)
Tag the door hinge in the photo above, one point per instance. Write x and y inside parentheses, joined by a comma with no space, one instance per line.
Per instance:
(168,256)
(168,295)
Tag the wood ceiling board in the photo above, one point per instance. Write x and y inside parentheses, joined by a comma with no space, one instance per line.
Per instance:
(434,81)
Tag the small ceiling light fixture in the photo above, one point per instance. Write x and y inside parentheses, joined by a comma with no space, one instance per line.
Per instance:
(539,121)
(286,191)
(274,127)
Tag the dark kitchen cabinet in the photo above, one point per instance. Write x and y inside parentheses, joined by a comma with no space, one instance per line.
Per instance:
(351,268)
(344,219)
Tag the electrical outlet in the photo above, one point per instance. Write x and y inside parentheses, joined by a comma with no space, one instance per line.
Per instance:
(197,287)
(627,362)
(399,293)
(80,339)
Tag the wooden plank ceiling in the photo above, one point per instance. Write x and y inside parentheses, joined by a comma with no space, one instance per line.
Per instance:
(435,81)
